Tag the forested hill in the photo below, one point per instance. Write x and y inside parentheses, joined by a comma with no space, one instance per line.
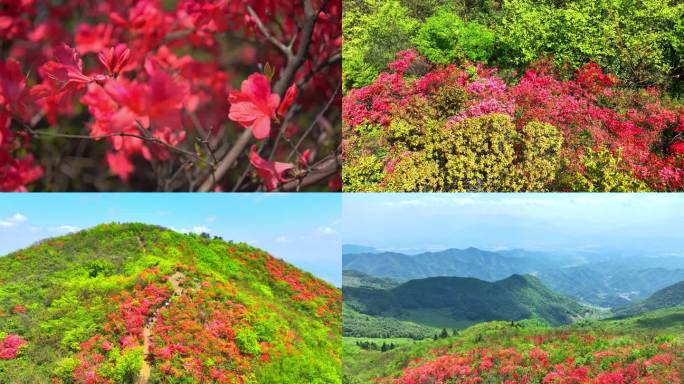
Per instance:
(123,303)
(433,301)
(668,297)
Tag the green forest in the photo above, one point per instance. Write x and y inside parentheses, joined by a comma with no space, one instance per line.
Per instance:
(513,95)
(134,303)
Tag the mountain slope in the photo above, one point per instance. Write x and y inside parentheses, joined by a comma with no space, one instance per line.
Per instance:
(137,303)
(457,302)
(668,297)
(644,349)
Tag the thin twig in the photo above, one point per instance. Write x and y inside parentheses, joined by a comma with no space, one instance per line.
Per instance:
(325,168)
(315,121)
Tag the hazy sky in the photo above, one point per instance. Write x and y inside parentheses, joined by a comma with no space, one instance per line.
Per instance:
(300,228)
(628,223)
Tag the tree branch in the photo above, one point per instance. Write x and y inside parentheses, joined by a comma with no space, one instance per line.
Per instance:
(294,62)
(325,168)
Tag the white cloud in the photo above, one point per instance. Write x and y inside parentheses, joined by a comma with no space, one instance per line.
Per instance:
(282,239)
(65,229)
(13,220)
(211,219)
(18,218)
(198,229)
(325,231)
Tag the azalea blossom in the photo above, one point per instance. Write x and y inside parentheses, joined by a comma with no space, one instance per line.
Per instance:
(9,346)
(64,75)
(115,58)
(254,106)
(271,173)
(289,98)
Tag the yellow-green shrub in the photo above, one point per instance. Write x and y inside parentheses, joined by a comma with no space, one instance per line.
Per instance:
(603,172)
(414,172)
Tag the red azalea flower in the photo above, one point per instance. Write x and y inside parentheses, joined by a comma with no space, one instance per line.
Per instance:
(305,158)
(64,75)
(271,173)
(290,97)
(678,148)
(115,58)
(13,92)
(91,38)
(254,105)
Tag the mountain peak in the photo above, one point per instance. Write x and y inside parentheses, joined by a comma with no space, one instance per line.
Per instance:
(143,294)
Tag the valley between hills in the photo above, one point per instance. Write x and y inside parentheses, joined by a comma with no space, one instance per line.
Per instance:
(476,316)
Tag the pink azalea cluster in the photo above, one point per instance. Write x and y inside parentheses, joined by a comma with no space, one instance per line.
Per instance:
(10,345)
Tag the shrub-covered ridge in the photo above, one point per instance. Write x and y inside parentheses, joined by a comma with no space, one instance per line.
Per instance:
(126,302)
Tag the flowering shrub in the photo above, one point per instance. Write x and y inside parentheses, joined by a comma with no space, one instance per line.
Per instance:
(565,357)
(10,345)
(461,128)
(169,96)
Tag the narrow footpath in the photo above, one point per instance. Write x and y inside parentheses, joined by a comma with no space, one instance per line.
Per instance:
(144,376)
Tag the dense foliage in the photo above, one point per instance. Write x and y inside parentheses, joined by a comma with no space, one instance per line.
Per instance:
(127,302)
(642,41)
(357,324)
(463,128)
(646,349)
(169,94)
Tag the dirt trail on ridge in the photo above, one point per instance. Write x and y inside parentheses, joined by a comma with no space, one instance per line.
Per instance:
(144,376)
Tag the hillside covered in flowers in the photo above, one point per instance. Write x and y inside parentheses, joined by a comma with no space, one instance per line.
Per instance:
(123,303)
(644,349)
(513,95)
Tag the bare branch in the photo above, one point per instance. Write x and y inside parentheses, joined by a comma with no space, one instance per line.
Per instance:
(325,168)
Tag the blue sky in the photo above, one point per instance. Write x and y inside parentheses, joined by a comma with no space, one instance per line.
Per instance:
(300,228)
(648,224)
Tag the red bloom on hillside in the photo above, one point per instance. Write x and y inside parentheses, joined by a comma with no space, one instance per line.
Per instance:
(271,173)
(9,346)
(115,58)
(18,309)
(254,105)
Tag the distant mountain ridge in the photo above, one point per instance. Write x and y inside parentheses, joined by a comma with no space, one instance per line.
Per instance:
(353,248)
(461,301)
(352,278)
(469,262)
(605,281)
